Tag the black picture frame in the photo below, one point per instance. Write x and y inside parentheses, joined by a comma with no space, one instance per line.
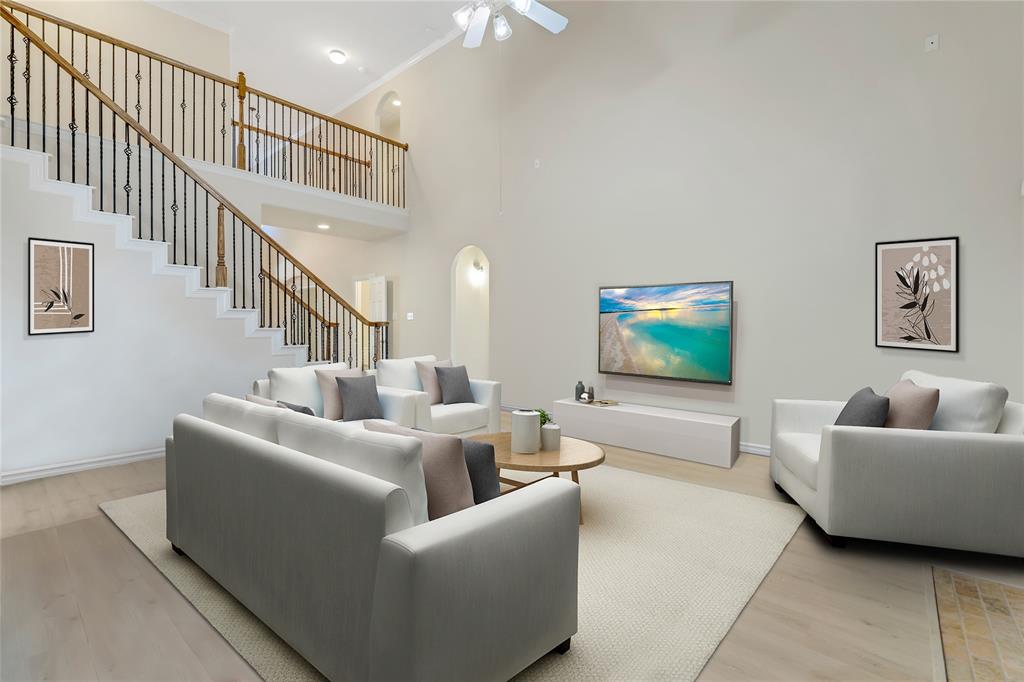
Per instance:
(32,331)
(954,345)
(732,333)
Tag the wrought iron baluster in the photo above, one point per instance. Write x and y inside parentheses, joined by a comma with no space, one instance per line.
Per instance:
(138,135)
(26,75)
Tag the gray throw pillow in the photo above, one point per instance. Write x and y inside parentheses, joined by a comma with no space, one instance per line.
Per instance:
(482,474)
(297,408)
(864,408)
(359,396)
(454,384)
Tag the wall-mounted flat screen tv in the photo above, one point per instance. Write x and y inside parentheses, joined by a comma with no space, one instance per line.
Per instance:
(671,331)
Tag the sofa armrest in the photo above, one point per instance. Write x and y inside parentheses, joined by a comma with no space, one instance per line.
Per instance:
(419,400)
(940,488)
(261,388)
(398,405)
(488,393)
(479,594)
(804,416)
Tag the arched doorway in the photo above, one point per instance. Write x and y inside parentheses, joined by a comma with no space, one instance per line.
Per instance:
(471,311)
(389,116)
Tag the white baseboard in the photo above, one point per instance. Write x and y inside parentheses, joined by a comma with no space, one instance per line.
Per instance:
(749,448)
(755,449)
(30,473)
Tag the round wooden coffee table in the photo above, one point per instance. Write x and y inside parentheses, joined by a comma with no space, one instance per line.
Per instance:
(575,454)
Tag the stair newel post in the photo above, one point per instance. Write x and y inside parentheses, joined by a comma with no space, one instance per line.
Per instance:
(222,268)
(240,162)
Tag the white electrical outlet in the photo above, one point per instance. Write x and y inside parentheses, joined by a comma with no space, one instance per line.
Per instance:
(931,43)
(410,316)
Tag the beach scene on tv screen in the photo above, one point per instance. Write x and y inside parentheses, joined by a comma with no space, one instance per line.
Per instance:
(678,331)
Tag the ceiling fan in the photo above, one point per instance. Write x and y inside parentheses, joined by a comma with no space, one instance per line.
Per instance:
(472,18)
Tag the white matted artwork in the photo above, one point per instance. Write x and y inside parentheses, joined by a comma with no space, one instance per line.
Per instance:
(61,285)
(916,294)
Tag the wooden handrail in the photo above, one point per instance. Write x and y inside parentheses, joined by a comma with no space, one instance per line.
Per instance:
(45,48)
(330,119)
(307,145)
(295,297)
(12,4)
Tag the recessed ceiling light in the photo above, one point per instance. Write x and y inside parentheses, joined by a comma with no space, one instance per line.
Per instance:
(337,56)
(323,226)
(396,102)
(361,69)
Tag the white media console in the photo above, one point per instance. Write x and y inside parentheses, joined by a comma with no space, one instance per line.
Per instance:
(695,436)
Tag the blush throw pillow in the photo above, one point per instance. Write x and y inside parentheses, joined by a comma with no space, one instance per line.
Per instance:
(454,383)
(911,406)
(260,400)
(428,377)
(444,469)
(864,408)
(359,397)
(333,406)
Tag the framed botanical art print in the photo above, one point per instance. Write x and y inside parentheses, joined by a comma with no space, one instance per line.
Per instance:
(917,294)
(61,285)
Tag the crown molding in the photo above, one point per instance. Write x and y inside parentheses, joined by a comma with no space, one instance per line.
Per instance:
(390,75)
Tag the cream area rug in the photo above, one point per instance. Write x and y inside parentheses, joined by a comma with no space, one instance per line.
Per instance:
(665,569)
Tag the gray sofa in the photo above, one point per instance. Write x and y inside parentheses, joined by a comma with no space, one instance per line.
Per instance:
(331,548)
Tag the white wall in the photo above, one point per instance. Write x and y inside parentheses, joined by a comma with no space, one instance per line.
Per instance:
(768,143)
(114,391)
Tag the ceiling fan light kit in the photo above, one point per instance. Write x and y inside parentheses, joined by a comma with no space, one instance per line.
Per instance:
(472,18)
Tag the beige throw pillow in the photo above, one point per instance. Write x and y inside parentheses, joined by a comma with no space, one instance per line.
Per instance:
(428,377)
(444,468)
(911,406)
(333,407)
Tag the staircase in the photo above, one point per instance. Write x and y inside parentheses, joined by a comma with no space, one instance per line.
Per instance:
(112,124)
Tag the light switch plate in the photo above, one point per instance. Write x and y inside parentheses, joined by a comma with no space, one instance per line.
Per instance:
(410,316)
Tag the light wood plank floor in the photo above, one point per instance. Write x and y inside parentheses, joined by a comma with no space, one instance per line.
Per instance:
(80,602)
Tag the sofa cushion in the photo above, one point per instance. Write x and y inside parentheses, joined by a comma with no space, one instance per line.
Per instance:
(325,378)
(964,405)
(798,452)
(911,406)
(401,372)
(864,408)
(482,474)
(458,418)
(298,385)
(1013,419)
(383,456)
(428,378)
(242,415)
(444,468)
(454,383)
(359,397)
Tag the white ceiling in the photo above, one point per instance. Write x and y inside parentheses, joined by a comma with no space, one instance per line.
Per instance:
(282,46)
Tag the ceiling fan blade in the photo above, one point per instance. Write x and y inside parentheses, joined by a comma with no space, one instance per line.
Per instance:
(477,27)
(546,17)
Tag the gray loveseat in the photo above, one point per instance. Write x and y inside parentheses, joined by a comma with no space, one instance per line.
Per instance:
(333,552)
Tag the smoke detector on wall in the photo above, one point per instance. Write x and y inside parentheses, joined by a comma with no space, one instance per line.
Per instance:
(472,18)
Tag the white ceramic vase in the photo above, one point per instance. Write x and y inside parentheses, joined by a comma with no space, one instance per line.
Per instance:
(525,431)
(550,437)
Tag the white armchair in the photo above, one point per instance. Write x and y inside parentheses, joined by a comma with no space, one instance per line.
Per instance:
(483,415)
(939,488)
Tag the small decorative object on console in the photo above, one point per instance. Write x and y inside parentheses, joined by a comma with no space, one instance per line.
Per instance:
(591,393)
(525,431)
(580,389)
